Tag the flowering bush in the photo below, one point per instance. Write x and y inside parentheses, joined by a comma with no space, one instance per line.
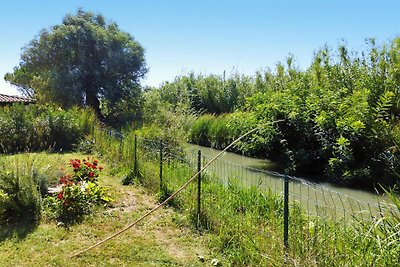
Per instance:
(80,191)
(84,170)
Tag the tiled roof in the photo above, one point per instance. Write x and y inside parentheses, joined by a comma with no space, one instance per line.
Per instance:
(15,99)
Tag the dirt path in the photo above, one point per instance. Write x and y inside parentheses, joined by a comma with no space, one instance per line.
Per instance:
(169,229)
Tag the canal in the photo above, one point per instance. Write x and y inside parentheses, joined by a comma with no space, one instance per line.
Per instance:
(317,198)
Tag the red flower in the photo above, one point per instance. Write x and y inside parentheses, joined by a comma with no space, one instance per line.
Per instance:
(90,165)
(91,174)
(76,164)
(65,179)
(100,168)
(60,195)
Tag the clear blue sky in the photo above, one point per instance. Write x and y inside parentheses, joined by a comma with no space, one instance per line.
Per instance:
(210,36)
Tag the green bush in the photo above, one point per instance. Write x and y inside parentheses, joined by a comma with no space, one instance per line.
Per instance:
(219,133)
(343,94)
(80,192)
(35,128)
(20,197)
(200,129)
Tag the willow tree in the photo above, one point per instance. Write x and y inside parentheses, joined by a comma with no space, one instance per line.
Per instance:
(83,61)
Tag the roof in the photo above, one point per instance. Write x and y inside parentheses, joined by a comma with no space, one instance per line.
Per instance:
(9,99)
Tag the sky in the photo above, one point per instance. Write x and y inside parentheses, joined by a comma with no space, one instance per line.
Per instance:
(210,36)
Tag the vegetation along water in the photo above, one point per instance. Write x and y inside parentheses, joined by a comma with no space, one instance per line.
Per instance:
(340,114)
(338,124)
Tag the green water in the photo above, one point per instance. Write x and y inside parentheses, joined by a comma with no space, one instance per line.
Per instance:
(320,199)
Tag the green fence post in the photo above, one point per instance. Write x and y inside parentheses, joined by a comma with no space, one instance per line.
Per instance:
(286,212)
(198,186)
(135,165)
(161,165)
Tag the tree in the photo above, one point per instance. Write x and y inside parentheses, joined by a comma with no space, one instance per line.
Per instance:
(83,61)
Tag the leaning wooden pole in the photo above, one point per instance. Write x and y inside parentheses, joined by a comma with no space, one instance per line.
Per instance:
(174,194)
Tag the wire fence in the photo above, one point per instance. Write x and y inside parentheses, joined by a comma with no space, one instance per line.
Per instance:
(229,197)
(315,199)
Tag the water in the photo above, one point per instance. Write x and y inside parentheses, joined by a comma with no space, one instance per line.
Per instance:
(319,199)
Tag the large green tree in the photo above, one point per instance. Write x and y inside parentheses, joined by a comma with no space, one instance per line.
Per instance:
(83,61)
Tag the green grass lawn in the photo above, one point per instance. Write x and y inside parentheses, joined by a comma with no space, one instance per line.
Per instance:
(165,239)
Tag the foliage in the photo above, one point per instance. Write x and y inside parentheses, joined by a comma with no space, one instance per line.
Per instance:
(48,243)
(169,122)
(22,181)
(212,94)
(19,197)
(199,130)
(80,191)
(340,115)
(219,132)
(245,222)
(84,61)
(35,128)
(171,126)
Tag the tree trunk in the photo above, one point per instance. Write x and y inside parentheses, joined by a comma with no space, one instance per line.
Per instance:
(91,95)
(93,102)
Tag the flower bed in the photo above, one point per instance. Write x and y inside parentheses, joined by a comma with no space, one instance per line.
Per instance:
(78,192)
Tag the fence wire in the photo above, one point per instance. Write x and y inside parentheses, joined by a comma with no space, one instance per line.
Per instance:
(249,200)
(316,199)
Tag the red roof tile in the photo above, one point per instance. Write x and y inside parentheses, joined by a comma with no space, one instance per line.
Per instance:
(15,99)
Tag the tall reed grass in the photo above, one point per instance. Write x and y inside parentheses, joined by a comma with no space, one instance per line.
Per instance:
(36,128)
(23,180)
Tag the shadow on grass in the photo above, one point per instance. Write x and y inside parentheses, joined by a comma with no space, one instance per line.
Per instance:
(67,222)
(17,230)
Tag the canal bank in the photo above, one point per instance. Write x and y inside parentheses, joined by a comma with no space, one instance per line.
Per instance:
(316,198)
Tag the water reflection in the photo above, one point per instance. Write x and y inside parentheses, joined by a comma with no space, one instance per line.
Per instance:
(319,199)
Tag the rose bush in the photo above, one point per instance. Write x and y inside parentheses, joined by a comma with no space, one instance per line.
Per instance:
(80,191)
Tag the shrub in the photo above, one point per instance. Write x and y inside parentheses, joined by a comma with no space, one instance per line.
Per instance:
(35,128)
(19,195)
(219,133)
(199,130)
(80,191)
(24,179)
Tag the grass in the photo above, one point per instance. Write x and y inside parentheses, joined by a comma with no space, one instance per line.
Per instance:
(166,239)
(240,226)
(245,225)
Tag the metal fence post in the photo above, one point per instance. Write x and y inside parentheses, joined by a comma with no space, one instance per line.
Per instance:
(135,165)
(161,165)
(286,212)
(121,147)
(198,186)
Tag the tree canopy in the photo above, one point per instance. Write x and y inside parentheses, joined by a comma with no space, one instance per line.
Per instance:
(83,61)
